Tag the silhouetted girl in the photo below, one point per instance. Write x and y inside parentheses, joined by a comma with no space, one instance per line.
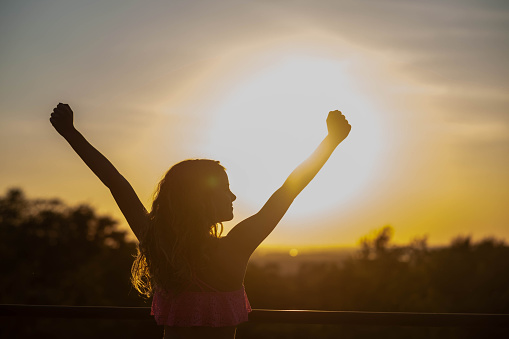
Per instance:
(194,275)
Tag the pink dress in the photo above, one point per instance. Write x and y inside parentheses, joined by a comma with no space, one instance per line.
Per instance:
(201,308)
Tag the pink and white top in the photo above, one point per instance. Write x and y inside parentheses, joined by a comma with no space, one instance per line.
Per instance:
(201,308)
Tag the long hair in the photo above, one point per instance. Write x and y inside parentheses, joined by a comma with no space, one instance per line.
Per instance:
(181,222)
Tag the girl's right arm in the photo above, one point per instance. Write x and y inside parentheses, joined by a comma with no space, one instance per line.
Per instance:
(124,195)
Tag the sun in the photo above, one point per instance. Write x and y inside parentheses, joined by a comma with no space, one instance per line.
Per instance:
(273,119)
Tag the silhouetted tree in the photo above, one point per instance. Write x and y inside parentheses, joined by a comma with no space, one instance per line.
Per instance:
(462,277)
(51,253)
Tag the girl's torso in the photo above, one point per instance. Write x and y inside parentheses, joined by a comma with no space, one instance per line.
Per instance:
(216,289)
(224,269)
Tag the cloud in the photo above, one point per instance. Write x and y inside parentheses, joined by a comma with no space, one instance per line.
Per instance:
(461,43)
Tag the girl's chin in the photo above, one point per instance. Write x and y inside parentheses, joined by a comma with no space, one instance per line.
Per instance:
(228,217)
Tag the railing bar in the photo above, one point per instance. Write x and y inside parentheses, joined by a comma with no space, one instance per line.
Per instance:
(83,312)
(272,316)
(380,318)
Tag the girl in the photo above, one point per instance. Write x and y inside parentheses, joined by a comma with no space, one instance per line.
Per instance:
(194,275)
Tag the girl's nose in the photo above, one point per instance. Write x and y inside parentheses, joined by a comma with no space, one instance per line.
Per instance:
(234,197)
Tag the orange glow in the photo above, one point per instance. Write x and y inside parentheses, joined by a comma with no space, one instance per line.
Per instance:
(275,117)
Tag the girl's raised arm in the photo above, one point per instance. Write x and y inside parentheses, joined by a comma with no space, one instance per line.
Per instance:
(129,203)
(248,234)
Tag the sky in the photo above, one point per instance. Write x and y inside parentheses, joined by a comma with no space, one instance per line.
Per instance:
(425,86)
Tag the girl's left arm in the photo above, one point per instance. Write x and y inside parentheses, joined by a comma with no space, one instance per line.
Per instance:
(248,234)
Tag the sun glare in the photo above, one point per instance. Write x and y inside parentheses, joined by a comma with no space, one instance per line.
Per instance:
(272,120)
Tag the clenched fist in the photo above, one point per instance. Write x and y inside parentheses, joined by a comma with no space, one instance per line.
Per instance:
(338,126)
(62,119)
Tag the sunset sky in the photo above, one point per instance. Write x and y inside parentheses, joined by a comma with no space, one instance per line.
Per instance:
(424,84)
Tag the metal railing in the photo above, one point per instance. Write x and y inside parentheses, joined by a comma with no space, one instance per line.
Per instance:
(272,316)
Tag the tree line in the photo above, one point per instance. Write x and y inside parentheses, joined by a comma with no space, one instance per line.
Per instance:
(52,253)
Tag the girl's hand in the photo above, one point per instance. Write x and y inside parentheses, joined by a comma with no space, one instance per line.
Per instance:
(62,119)
(338,126)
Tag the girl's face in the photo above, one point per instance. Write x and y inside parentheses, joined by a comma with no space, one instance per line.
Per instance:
(223,198)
